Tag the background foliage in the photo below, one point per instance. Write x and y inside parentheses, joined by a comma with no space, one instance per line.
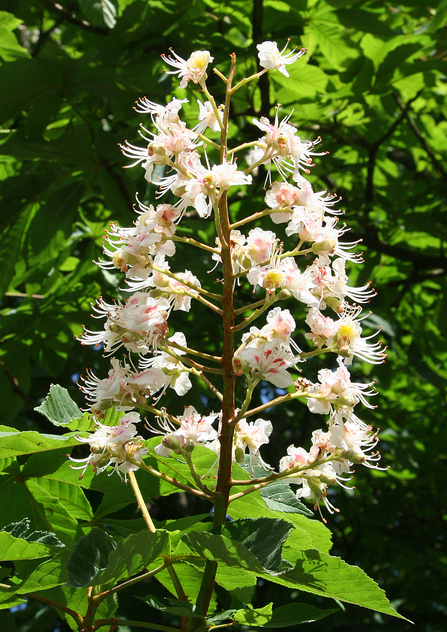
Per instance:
(373,85)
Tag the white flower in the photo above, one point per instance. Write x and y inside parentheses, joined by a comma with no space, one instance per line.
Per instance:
(269,361)
(111,445)
(336,389)
(282,146)
(175,374)
(260,245)
(251,435)
(193,68)
(349,341)
(193,430)
(207,117)
(124,388)
(355,438)
(271,58)
(139,324)
(284,196)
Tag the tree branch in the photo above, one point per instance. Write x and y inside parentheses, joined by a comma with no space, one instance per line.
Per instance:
(69,16)
(418,133)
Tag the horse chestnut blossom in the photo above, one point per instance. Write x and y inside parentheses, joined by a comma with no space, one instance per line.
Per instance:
(112,446)
(290,258)
(270,57)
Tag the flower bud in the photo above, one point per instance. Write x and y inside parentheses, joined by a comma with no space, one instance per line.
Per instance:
(172,443)
(189,446)
(326,245)
(239,455)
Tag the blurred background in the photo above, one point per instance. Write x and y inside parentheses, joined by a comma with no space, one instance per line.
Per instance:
(373,86)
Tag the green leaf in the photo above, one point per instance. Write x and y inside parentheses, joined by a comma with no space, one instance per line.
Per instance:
(99,12)
(310,533)
(305,80)
(46,575)
(327,576)
(56,514)
(254,616)
(12,238)
(220,548)
(9,600)
(241,584)
(132,555)
(12,548)
(20,530)
(58,406)
(27,83)
(173,606)
(440,17)
(89,556)
(295,613)
(9,21)
(279,497)
(215,619)
(264,538)
(14,443)
(10,48)
(190,578)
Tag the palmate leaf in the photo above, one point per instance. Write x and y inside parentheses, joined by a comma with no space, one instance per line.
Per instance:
(132,555)
(48,574)
(89,556)
(190,578)
(264,538)
(309,533)
(327,576)
(241,584)
(20,530)
(12,549)
(208,546)
(10,48)
(56,514)
(279,497)
(9,600)
(13,443)
(314,572)
(254,617)
(98,559)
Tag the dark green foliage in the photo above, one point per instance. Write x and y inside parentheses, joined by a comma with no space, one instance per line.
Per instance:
(373,85)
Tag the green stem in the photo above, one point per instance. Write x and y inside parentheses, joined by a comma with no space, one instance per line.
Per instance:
(244,81)
(246,308)
(198,244)
(214,106)
(270,299)
(282,399)
(205,356)
(251,387)
(253,143)
(196,477)
(131,582)
(140,501)
(188,284)
(255,216)
(169,479)
(223,485)
(208,140)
